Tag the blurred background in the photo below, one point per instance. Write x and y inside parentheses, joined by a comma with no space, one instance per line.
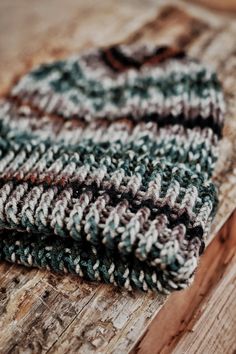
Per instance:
(32,30)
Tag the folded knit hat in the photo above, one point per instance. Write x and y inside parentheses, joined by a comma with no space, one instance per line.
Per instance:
(106,161)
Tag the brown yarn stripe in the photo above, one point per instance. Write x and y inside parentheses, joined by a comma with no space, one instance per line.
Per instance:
(118,61)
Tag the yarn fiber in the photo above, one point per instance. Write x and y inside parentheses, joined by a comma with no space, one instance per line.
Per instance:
(106,161)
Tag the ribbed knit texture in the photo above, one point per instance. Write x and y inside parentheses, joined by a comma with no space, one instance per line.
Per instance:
(105,166)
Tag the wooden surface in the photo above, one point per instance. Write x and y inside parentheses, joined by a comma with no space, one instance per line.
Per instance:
(200,319)
(213,329)
(226,5)
(42,312)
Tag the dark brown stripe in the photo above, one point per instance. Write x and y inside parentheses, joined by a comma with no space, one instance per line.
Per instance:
(118,61)
(164,53)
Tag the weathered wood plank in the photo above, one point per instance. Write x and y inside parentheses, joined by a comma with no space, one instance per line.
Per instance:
(43,312)
(227,5)
(177,316)
(215,331)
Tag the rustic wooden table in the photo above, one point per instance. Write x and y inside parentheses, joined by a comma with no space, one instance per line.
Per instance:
(42,312)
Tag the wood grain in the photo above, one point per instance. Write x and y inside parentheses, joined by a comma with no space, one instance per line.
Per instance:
(171,331)
(214,326)
(42,312)
(226,5)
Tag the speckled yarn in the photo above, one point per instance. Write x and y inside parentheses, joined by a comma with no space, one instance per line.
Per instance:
(106,161)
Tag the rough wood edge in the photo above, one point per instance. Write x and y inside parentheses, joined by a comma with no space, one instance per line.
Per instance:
(182,309)
(214,329)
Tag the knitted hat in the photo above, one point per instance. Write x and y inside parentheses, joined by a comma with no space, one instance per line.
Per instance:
(106,164)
